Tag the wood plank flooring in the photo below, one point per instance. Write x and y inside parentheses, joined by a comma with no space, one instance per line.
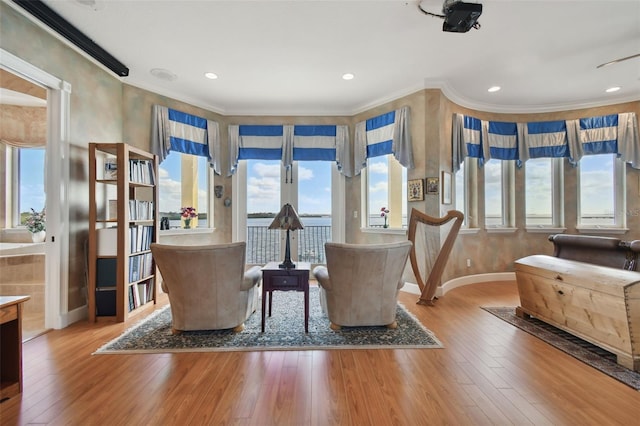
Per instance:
(489,373)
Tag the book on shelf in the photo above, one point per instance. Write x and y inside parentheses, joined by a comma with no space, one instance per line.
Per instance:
(141,171)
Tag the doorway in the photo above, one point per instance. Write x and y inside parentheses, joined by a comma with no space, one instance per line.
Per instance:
(56,245)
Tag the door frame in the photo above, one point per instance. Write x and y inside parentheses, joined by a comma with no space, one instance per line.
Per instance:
(56,186)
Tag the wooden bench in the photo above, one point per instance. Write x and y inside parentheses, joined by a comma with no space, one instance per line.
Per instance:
(596,298)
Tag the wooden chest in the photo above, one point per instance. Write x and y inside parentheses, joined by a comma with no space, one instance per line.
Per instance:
(596,303)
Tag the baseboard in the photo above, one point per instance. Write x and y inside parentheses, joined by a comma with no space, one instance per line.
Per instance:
(78,314)
(462,281)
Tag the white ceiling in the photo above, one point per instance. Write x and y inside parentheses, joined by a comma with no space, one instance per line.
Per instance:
(287,57)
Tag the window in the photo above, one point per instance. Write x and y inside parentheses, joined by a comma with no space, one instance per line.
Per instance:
(499,193)
(184,182)
(543,192)
(386,188)
(601,186)
(28,182)
(493,194)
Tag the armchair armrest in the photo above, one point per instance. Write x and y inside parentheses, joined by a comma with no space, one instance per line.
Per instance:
(322,275)
(251,278)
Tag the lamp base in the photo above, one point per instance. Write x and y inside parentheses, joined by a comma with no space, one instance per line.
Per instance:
(287,264)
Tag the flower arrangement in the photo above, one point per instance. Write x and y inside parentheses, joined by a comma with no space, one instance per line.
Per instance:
(384,212)
(36,221)
(188,213)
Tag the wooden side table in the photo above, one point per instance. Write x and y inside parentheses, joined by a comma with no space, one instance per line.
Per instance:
(11,345)
(276,278)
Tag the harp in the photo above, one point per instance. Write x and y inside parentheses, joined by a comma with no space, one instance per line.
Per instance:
(428,256)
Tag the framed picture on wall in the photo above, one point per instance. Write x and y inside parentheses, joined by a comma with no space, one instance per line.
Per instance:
(415,190)
(447,188)
(432,186)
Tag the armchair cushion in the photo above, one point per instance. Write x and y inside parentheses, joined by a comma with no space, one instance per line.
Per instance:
(360,284)
(207,286)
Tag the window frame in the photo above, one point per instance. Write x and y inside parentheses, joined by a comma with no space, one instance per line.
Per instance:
(619,196)
(507,187)
(209,201)
(557,198)
(364,197)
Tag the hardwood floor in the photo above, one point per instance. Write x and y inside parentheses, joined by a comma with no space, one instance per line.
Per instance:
(488,373)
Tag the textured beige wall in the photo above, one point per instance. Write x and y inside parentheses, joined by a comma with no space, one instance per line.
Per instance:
(95,115)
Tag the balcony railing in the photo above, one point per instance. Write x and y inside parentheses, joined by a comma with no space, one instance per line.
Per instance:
(263,244)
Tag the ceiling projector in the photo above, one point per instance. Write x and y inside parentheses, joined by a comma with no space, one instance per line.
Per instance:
(459,16)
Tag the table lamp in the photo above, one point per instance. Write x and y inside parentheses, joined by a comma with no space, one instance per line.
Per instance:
(287,219)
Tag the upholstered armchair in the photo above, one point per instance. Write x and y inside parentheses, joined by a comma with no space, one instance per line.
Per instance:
(207,285)
(360,284)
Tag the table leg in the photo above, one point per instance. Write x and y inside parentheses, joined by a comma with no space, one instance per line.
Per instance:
(270,296)
(264,294)
(306,309)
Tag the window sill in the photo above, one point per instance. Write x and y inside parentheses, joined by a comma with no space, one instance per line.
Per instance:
(545,230)
(601,230)
(393,231)
(182,231)
(468,231)
(501,230)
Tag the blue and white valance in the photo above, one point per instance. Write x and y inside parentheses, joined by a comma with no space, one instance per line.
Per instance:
(385,134)
(610,134)
(289,143)
(607,134)
(178,131)
(500,140)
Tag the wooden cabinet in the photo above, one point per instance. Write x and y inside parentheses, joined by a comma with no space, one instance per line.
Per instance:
(123,222)
(11,345)
(596,303)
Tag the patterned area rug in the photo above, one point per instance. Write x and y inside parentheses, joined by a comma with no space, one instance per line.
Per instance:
(284,330)
(584,351)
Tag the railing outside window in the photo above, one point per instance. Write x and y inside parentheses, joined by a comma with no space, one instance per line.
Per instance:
(263,244)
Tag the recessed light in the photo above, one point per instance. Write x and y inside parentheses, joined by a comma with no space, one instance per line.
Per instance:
(348,76)
(163,74)
(211,75)
(493,89)
(612,89)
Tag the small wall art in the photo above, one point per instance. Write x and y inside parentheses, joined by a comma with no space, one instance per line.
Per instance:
(415,190)
(432,186)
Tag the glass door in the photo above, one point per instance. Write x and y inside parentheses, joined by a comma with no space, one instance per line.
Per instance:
(264,186)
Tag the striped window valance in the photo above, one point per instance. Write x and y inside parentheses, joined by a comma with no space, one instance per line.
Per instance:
(382,135)
(572,139)
(179,131)
(289,143)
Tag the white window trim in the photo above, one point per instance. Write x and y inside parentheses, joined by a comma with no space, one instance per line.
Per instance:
(557,201)
(620,202)
(507,178)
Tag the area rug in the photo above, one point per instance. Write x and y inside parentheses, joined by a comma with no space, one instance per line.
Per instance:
(284,330)
(580,349)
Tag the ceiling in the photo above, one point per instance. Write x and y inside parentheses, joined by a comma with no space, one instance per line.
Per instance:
(288,57)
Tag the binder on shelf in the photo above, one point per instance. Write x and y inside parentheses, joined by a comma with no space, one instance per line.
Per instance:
(107,272)
(105,302)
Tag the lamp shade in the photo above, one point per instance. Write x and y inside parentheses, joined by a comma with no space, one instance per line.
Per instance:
(287,219)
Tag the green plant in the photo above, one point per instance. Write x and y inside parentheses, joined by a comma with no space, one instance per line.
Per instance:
(36,221)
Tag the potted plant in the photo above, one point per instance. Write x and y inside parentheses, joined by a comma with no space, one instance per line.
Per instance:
(187,214)
(36,224)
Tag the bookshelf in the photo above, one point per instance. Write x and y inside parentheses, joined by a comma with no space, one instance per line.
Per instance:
(123,222)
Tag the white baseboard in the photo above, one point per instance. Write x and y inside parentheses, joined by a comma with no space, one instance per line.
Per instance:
(462,281)
(78,314)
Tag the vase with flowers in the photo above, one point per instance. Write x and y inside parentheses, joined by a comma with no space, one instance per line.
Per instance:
(384,212)
(36,224)
(187,214)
